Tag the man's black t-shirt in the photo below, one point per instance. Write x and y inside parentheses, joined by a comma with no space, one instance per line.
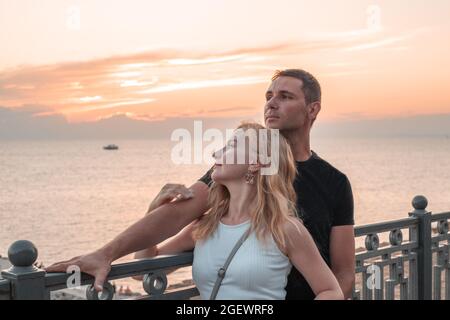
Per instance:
(324,200)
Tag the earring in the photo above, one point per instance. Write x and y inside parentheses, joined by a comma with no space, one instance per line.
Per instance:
(249,177)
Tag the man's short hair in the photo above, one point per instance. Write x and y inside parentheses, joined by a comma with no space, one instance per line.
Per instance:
(311,87)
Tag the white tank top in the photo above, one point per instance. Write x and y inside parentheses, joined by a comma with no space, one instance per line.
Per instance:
(258,271)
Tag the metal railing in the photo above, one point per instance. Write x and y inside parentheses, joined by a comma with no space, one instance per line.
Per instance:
(414,268)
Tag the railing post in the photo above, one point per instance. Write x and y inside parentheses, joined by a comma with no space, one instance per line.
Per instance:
(27,281)
(424,253)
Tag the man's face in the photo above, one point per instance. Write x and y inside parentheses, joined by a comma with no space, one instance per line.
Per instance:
(285,107)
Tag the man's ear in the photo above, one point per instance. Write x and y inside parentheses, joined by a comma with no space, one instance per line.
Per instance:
(314,109)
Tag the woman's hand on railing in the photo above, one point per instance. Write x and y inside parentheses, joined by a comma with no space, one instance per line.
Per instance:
(96,264)
(170,192)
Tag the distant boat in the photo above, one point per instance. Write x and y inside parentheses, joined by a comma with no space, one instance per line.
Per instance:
(111,147)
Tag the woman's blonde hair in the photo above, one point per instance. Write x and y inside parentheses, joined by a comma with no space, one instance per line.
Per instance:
(275,196)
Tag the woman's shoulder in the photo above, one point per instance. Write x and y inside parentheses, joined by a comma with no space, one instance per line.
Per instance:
(295,232)
(293,226)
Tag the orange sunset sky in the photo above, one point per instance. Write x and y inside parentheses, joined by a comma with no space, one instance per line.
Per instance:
(154,60)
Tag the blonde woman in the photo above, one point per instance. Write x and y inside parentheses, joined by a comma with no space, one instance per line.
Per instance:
(259,210)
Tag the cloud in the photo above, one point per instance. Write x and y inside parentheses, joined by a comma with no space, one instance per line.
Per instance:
(378,44)
(356,125)
(111,105)
(121,81)
(22,123)
(205,84)
(147,81)
(29,123)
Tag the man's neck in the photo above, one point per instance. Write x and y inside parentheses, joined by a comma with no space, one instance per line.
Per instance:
(299,142)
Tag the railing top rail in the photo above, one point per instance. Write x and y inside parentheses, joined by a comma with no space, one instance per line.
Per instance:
(440,216)
(389,250)
(5,289)
(385,226)
(56,281)
(4,283)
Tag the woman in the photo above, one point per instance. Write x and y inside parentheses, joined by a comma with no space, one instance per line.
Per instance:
(245,202)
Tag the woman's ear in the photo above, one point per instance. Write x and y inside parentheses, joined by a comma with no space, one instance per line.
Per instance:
(254,167)
(260,165)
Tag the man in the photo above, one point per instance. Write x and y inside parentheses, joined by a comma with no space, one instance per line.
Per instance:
(325,200)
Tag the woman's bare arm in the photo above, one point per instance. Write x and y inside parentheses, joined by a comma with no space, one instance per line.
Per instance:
(182,242)
(161,224)
(304,255)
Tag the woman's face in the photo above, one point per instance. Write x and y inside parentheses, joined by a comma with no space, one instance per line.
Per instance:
(232,161)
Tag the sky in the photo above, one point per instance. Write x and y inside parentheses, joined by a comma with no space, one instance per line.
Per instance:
(84,61)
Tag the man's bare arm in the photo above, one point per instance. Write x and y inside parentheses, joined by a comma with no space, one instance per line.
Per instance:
(304,255)
(160,224)
(170,192)
(342,253)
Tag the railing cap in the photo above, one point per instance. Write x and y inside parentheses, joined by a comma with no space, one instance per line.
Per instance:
(22,253)
(420,202)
